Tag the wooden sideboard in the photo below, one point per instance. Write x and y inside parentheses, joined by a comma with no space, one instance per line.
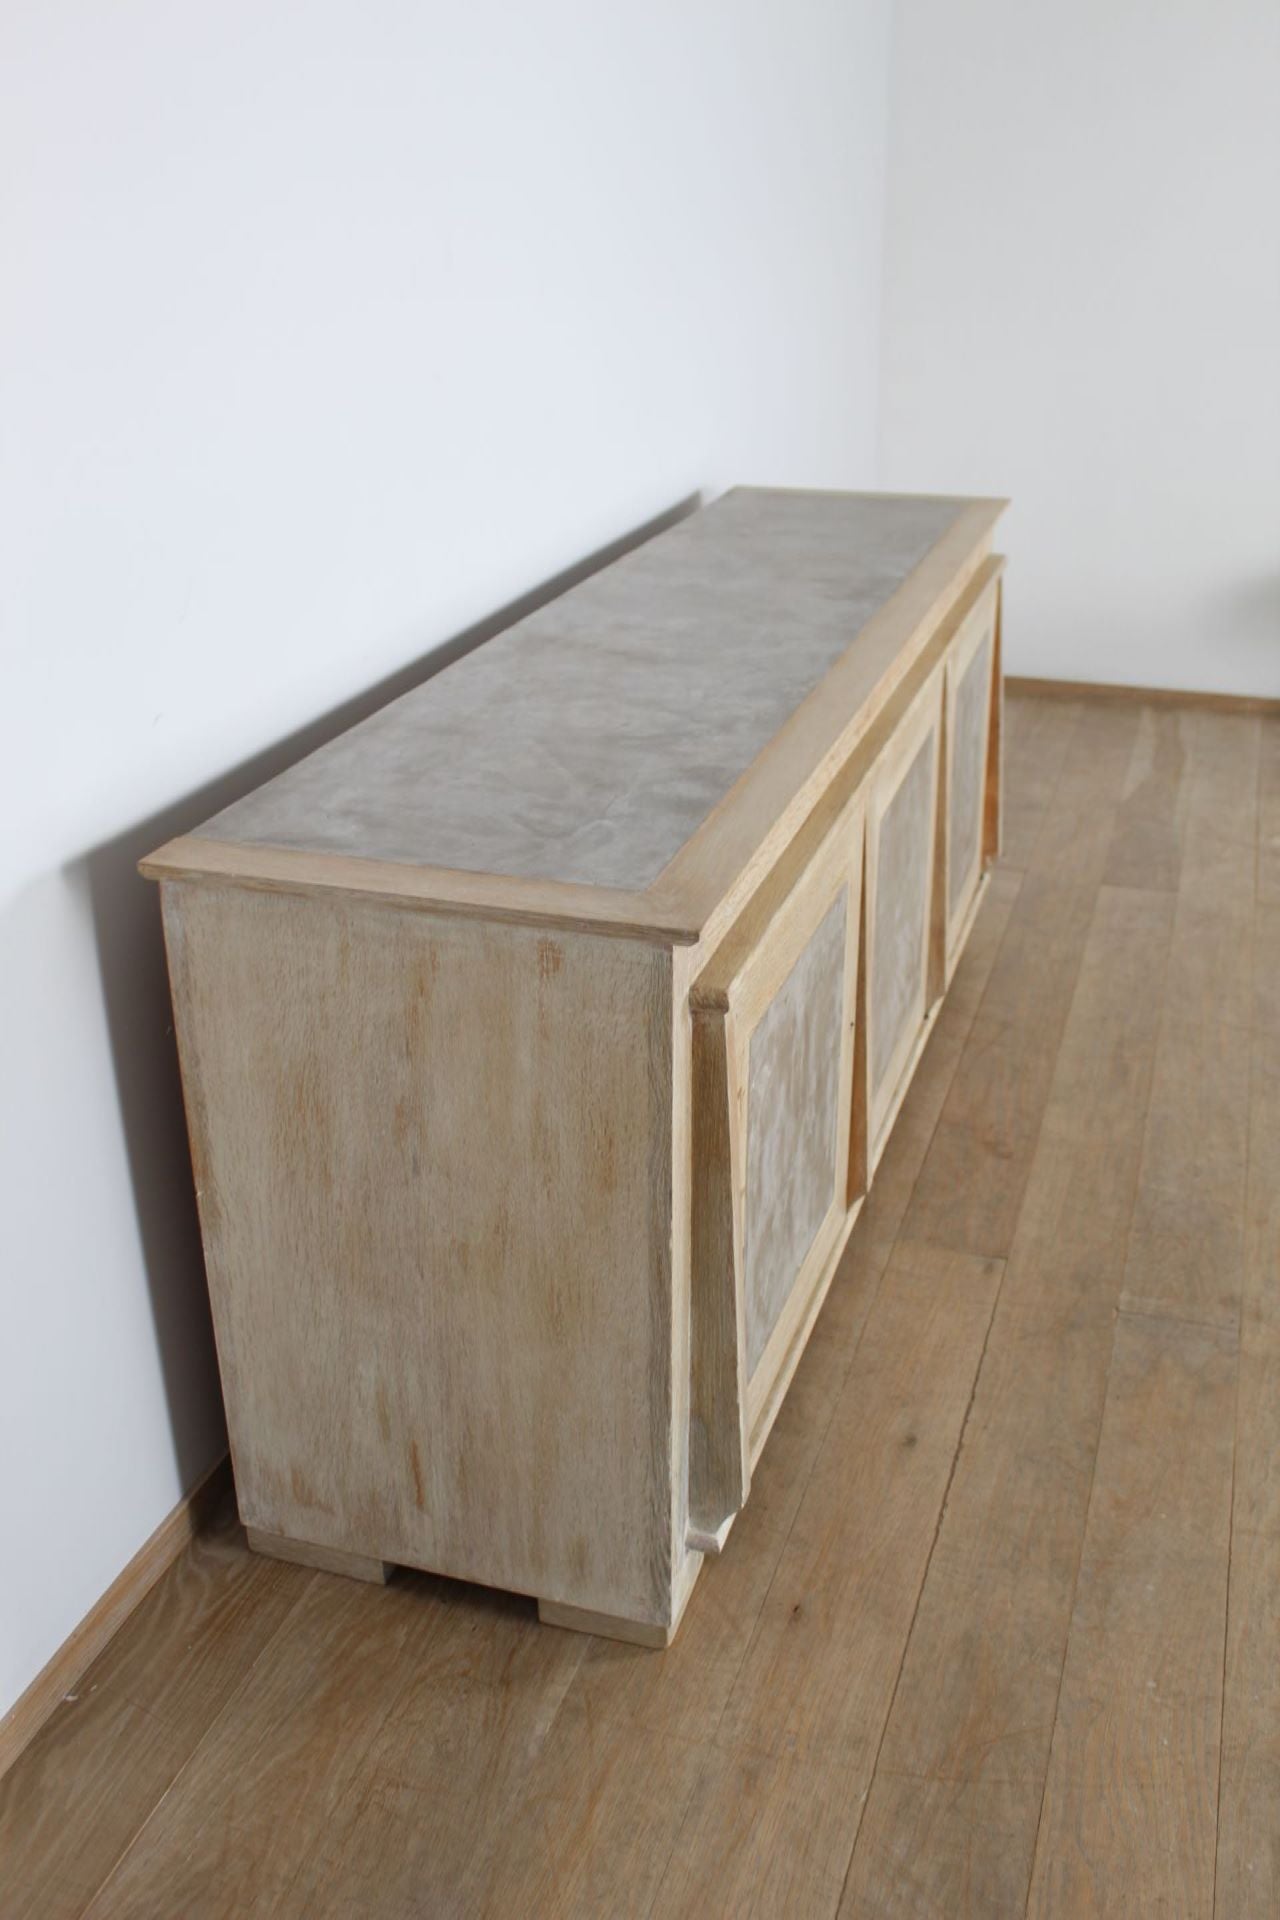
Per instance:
(540,1038)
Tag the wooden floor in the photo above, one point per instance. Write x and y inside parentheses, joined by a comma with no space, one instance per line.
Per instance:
(999,1631)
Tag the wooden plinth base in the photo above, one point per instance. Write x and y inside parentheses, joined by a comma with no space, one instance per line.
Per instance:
(356,1566)
(610,1625)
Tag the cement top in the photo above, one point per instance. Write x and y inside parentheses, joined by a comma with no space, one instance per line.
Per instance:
(587,743)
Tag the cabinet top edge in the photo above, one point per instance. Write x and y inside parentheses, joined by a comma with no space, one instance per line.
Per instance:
(664,899)
(997,502)
(193,859)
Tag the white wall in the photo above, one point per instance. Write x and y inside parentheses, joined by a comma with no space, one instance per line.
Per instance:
(326,331)
(1082,309)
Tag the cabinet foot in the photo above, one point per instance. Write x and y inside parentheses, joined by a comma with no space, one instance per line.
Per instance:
(356,1566)
(611,1626)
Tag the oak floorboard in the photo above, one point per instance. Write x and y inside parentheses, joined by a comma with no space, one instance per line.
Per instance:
(963,1761)
(1248,1827)
(416,1829)
(1146,841)
(814,1674)
(942,1849)
(594,1830)
(806,1714)
(1130,1806)
(1211,966)
(240,1829)
(1211,959)
(1266,969)
(1269,812)
(115,1745)
(970,1190)
(1186,1248)
(766,1836)
(1037,735)
(971,1185)
(1248,1858)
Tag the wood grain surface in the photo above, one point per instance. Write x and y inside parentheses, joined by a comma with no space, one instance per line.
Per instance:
(348,1049)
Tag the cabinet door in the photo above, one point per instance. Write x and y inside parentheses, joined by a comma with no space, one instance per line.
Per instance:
(970,669)
(902,841)
(773,1038)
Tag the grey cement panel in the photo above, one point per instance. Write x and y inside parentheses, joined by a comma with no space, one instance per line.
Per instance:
(901,906)
(964,803)
(590,741)
(793,1091)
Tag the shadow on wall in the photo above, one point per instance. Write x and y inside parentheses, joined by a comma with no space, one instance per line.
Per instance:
(1249,611)
(126,922)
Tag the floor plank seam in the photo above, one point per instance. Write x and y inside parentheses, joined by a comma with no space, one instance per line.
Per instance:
(216,1721)
(1226,1640)
(1066,1641)
(924,1576)
(1222,1324)
(1249,1151)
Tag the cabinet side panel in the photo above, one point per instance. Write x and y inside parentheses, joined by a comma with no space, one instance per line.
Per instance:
(434,1163)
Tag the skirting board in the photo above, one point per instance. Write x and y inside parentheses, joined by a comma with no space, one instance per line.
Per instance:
(81,1647)
(1148,696)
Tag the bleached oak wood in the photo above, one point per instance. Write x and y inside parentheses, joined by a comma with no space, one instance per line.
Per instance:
(521,1190)
(354,1566)
(195,858)
(583,1620)
(434,1167)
